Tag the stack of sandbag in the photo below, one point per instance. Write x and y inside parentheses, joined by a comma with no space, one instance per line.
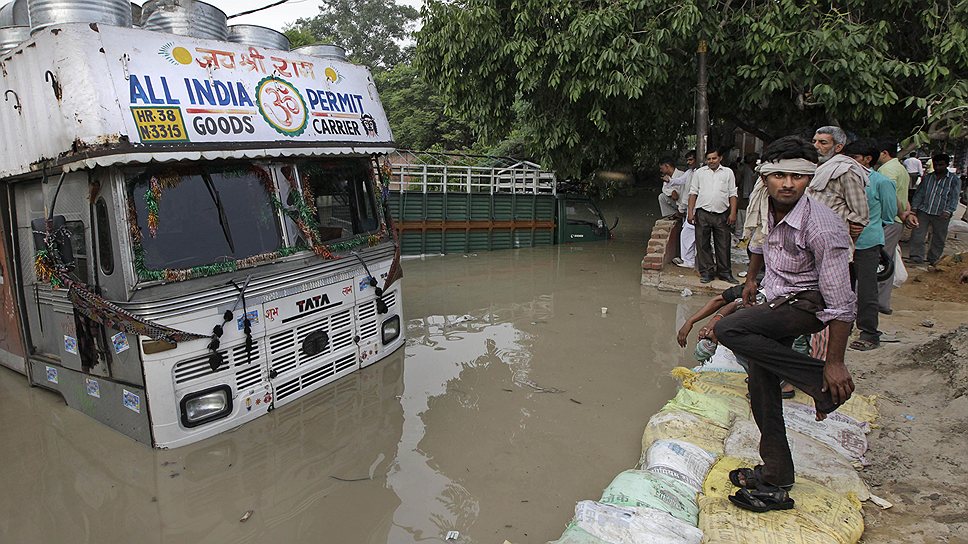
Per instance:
(678,494)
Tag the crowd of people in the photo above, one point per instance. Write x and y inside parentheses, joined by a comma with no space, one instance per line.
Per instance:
(822,220)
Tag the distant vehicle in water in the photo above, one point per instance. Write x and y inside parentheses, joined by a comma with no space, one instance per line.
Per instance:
(459,203)
(194,231)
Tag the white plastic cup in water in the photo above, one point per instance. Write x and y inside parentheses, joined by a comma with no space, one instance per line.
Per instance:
(604,310)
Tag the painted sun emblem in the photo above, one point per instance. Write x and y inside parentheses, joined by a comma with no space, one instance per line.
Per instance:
(175,55)
(332,75)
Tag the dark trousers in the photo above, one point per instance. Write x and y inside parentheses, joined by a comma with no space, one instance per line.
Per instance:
(865,271)
(939,231)
(712,227)
(764,336)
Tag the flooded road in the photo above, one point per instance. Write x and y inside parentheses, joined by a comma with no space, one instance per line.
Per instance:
(513,398)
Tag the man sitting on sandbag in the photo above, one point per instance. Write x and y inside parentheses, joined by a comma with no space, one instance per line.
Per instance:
(806,252)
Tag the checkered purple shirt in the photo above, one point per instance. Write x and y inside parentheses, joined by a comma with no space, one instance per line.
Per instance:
(810,250)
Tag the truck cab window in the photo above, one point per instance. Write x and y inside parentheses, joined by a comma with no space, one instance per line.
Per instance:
(340,189)
(105,254)
(202,215)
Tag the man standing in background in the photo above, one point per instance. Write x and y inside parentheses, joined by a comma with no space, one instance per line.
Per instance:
(882,203)
(840,181)
(934,202)
(915,170)
(892,169)
(687,236)
(712,209)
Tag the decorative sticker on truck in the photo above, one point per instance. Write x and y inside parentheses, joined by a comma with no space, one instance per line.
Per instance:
(201,91)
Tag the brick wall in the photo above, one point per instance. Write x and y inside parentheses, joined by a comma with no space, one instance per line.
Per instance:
(662,246)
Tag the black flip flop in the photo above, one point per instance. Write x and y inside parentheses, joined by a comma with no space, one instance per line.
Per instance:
(753,478)
(764,499)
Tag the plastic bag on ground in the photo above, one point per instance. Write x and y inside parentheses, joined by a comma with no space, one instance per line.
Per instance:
(841,433)
(633,525)
(813,460)
(820,515)
(678,425)
(640,488)
(681,460)
(719,409)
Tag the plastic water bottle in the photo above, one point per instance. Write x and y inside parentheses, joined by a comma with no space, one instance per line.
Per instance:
(705,349)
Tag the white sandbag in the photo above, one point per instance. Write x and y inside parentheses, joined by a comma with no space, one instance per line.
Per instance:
(723,360)
(812,459)
(632,525)
(900,271)
(956,226)
(840,433)
(680,460)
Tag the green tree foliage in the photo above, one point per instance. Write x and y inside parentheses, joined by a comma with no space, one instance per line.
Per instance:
(416,112)
(374,32)
(595,82)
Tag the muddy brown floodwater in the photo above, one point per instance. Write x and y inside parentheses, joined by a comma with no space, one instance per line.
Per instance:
(513,398)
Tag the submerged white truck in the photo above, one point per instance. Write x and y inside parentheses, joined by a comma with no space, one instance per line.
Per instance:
(194,231)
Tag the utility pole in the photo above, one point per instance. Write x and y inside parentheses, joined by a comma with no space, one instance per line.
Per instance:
(702,106)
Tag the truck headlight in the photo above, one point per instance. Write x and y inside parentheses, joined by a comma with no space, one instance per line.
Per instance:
(391,329)
(205,406)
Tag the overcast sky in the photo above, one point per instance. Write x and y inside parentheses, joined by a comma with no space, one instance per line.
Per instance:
(276,17)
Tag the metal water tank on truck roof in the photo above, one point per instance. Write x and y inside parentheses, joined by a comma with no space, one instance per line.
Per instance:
(258,36)
(46,13)
(185,18)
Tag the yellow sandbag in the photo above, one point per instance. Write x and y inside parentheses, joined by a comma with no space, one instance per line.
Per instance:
(722,522)
(729,384)
(862,408)
(719,409)
(684,426)
(820,515)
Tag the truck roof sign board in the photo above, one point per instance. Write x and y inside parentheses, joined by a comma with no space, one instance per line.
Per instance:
(127,90)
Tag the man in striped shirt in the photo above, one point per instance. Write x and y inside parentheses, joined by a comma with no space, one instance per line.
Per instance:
(934,201)
(806,252)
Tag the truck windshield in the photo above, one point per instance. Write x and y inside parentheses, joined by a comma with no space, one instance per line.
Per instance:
(198,215)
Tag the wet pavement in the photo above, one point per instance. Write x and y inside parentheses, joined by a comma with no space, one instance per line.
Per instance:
(513,398)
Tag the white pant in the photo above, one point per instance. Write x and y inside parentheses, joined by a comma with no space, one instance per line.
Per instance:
(687,243)
(667,206)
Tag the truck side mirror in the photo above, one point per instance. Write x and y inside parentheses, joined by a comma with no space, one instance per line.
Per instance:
(62,238)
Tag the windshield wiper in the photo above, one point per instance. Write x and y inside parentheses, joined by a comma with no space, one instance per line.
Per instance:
(222,219)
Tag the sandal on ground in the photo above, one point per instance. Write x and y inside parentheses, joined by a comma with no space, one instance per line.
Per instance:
(863,345)
(764,499)
(751,478)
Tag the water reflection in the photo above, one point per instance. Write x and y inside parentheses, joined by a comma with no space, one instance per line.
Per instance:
(513,398)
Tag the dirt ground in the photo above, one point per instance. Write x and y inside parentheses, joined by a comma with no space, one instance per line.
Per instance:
(918,450)
(940,282)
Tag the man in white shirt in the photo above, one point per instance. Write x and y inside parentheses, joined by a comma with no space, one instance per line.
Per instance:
(671,187)
(712,209)
(687,236)
(915,170)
